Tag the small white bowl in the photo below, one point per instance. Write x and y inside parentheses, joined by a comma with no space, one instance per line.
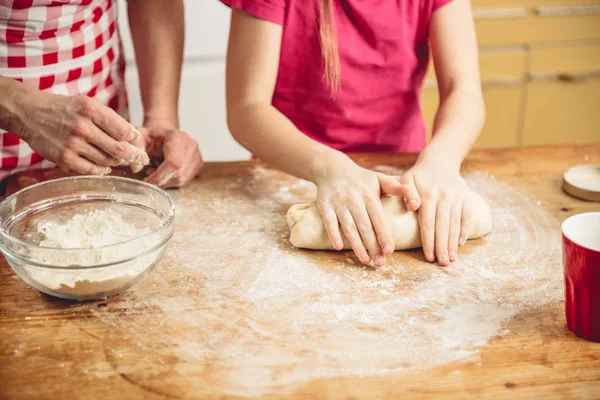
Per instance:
(85,273)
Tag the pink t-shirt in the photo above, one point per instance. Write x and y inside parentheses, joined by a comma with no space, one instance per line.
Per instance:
(384,54)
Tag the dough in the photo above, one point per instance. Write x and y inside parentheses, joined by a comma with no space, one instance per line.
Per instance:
(308,232)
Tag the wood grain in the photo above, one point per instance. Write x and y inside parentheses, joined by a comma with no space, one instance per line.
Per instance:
(51,348)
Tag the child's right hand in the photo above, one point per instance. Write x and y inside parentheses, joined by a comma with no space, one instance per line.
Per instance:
(349,197)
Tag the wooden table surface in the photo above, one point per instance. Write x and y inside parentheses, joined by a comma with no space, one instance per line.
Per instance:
(207,323)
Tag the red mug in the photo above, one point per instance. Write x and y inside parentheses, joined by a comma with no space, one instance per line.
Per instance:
(581,260)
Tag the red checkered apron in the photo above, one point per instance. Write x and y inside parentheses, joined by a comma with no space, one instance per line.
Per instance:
(66,47)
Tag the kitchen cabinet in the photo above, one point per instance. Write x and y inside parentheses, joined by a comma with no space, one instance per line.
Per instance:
(540,72)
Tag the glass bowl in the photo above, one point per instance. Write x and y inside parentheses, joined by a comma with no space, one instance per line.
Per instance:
(85,273)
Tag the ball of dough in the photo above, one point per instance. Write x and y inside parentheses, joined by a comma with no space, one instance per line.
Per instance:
(308,231)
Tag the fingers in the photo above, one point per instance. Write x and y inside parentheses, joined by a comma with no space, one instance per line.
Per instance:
(455,228)
(182,161)
(466,221)
(442,229)
(351,233)
(412,199)
(163,174)
(98,156)
(107,120)
(119,149)
(390,185)
(330,221)
(367,234)
(377,216)
(74,162)
(139,142)
(427,213)
(192,169)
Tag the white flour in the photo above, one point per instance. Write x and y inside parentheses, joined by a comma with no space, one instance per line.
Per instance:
(90,231)
(232,293)
(97,228)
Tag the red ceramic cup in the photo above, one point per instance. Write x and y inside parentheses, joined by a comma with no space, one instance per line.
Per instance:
(581,259)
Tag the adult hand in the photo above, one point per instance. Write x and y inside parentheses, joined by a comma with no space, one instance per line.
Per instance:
(349,197)
(444,202)
(174,153)
(77,133)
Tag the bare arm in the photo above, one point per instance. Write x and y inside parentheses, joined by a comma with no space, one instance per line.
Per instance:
(252,65)
(348,196)
(461,113)
(157,30)
(75,132)
(440,194)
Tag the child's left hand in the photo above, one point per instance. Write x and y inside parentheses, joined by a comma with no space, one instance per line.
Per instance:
(444,203)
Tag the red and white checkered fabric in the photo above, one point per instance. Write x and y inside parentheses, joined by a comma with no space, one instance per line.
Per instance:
(66,47)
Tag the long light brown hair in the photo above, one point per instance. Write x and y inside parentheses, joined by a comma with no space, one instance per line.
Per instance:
(329,46)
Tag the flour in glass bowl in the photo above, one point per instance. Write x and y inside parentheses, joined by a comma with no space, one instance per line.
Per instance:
(94,230)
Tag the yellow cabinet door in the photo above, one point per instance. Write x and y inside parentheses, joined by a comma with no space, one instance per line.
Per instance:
(537,29)
(506,4)
(563,97)
(562,112)
(503,115)
(503,72)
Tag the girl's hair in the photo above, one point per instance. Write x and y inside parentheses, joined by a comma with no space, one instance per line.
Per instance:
(329,46)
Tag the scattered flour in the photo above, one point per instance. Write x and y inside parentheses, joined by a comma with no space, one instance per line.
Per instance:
(231,292)
(81,241)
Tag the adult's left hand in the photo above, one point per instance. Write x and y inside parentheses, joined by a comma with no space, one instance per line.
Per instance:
(173,152)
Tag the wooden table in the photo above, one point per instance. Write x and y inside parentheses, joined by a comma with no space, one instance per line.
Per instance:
(207,323)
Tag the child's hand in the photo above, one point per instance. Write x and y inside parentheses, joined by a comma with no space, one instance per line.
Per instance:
(350,197)
(444,203)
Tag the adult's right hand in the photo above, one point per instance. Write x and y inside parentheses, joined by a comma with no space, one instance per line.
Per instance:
(77,133)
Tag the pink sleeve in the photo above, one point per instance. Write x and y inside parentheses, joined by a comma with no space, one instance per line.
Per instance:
(439,3)
(269,10)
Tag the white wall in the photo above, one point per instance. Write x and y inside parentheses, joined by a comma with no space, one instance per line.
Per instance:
(202,98)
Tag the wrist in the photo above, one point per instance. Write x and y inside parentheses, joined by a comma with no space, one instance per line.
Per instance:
(13,107)
(440,155)
(165,119)
(325,162)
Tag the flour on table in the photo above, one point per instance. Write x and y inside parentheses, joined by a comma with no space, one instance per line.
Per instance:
(91,231)
(232,292)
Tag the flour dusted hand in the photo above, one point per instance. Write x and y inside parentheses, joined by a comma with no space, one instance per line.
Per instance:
(308,232)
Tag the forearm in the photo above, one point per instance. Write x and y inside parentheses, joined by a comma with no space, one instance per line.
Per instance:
(270,136)
(11,93)
(157,30)
(457,125)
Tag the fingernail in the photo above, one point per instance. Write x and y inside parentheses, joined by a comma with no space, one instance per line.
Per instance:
(412,205)
(452,256)
(379,260)
(136,167)
(338,245)
(134,133)
(389,248)
(365,259)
